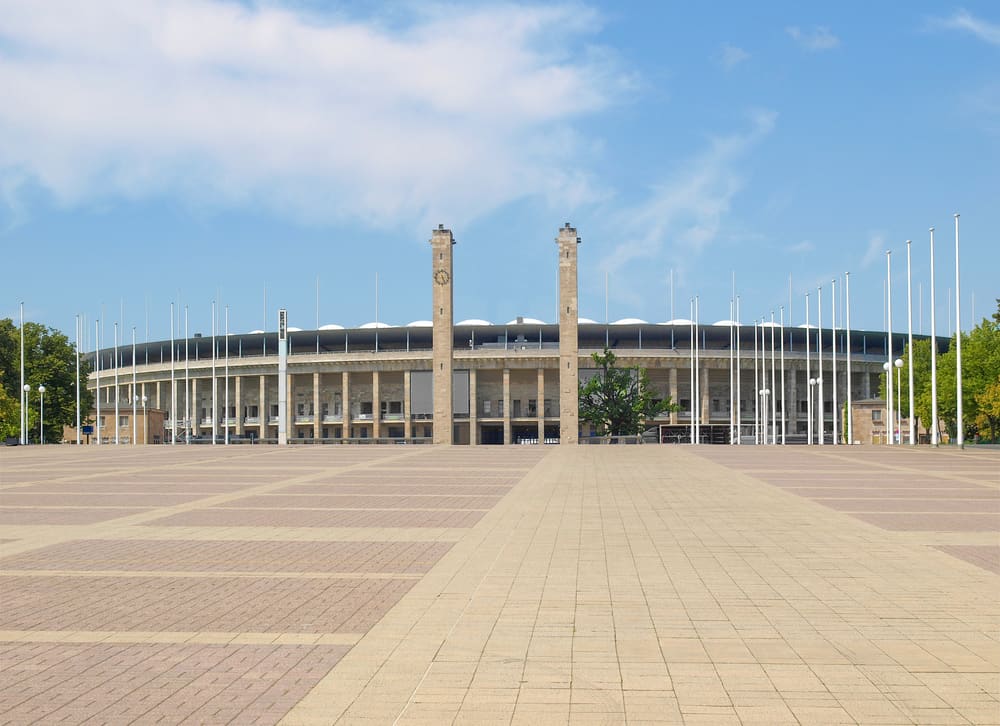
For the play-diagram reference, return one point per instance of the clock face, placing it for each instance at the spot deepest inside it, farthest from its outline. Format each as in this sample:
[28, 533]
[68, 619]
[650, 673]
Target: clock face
[441, 277]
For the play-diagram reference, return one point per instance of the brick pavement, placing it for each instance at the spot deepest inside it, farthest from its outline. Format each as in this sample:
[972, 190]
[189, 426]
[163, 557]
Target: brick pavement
[433, 585]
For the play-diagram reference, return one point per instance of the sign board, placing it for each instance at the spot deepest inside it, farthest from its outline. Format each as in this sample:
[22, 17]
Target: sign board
[87, 430]
[282, 324]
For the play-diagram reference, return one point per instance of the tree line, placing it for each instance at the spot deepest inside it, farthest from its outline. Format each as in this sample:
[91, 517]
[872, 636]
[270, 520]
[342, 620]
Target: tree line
[49, 360]
[980, 382]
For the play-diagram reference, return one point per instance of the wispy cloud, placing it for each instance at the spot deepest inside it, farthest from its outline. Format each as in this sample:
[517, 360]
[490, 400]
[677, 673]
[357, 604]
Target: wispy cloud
[731, 56]
[439, 116]
[801, 247]
[966, 21]
[874, 252]
[685, 212]
[820, 38]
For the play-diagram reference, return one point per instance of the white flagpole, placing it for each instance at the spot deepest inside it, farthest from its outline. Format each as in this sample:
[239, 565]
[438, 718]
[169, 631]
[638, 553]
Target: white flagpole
[809, 385]
[691, 353]
[671, 293]
[732, 382]
[187, 382]
[888, 376]
[958, 343]
[934, 402]
[774, 393]
[739, 376]
[376, 312]
[77, 380]
[135, 393]
[173, 382]
[225, 415]
[24, 394]
[117, 420]
[97, 365]
[784, 418]
[697, 365]
[909, 345]
[215, 386]
[833, 337]
[850, 411]
[756, 389]
[821, 419]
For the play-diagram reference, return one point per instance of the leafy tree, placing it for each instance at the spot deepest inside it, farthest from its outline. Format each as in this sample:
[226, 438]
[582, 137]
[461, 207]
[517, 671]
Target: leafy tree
[8, 415]
[996, 315]
[49, 360]
[618, 400]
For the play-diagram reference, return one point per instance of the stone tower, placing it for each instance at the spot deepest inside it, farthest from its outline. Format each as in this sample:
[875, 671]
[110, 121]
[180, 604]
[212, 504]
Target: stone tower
[441, 271]
[569, 346]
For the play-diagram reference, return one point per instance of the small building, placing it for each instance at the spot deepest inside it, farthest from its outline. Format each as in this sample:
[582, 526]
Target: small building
[148, 427]
[869, 425]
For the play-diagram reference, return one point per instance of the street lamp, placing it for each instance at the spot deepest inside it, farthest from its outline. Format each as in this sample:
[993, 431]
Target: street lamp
[24, 410]
[41, 414]
[899, 401]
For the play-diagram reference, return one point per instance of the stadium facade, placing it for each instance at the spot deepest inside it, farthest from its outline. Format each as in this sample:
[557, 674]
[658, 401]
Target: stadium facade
[474, 382]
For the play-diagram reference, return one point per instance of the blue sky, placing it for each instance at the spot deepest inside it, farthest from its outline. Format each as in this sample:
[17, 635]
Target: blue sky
[199, 149]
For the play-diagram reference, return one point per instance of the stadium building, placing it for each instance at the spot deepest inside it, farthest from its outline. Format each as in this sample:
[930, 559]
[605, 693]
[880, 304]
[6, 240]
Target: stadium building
[476, 382]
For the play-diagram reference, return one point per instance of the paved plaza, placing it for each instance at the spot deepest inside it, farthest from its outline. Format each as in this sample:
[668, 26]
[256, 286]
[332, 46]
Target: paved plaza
[413, 584]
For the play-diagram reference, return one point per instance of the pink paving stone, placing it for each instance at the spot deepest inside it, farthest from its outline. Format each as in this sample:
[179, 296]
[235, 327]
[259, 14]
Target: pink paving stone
[20, 498]
[143, 486]
[10, 515]
[223, 517]
[367, 501]
[944, 522]
[226, 604]
[396, 488]
[229, 556]
[157, 683]
[983, 493]
[985, 556]
[903, 504]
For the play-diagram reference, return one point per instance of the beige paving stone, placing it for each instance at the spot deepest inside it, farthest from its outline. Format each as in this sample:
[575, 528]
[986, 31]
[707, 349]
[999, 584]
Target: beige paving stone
[609, 585]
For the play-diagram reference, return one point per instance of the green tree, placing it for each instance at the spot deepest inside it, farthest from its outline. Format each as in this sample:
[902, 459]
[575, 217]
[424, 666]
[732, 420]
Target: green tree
[49, 360]
[617, 401]
[980, 370]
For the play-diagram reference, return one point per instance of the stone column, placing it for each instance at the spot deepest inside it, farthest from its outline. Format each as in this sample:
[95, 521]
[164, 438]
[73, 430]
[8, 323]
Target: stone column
[159, 397]
[706, 399]
[317, 418]
[239, 405]
[569, 344]
[407, 422]
[195, 406]
[673, 393]
[540, 405]
[345, 399]
[376, 406]
[290, 431]
[442, 242]
[262, 412]
[506, 406]
[473, 408]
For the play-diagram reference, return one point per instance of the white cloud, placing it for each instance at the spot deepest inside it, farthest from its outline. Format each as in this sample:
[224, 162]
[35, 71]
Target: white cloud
[818, 39]
[801, 247]
[982, 29]
[685, 212]
[731, 56]
[442, 117]
[875, 250]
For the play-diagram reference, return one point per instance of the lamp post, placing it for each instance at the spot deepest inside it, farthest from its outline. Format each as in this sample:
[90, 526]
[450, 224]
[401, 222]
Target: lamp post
[26, 389]
[898, 363]
[41, 414]
[145, 421]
